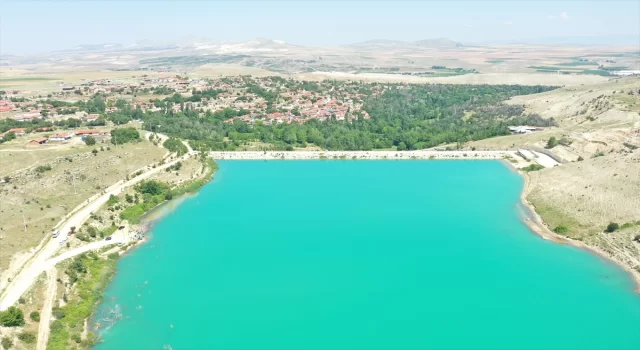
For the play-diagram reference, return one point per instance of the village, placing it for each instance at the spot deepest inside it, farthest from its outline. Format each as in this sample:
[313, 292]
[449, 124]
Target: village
[269, 100]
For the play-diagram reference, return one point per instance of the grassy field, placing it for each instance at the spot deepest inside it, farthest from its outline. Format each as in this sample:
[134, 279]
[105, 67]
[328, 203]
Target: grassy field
[21, 79]
[40, 197]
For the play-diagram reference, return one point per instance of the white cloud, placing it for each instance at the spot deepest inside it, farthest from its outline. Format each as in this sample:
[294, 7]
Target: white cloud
[468, 25]
[508, 23]
[564, 15]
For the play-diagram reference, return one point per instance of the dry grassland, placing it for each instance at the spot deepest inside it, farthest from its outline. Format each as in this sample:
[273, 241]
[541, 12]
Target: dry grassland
[41, 198]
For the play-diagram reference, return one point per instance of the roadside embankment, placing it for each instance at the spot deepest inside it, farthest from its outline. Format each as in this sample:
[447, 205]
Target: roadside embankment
[421, 154]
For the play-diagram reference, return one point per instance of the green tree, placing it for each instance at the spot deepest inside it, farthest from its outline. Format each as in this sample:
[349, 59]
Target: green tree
[152, 187]
[612, 227]
[561, 229]
[89, 140]
[12, 317]
[552, 142]
[35, 316]
[124, 135]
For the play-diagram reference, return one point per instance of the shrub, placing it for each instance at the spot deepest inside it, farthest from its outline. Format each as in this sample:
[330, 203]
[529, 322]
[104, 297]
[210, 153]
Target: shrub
[612, 227]
[627, 225]
[552, 142]
[565, 141]
[637, 238]
[89, 140]
[12, 317]
[42, 168]
[176, 146]
[35, 316]
[561, 229]
[58, 313]
[113, 200]
[580, 159]
[6, 342]
[532, 167]
[27, 337]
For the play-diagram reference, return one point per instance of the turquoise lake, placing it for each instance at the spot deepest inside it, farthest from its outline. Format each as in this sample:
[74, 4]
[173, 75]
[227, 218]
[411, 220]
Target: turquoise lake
[364, 255]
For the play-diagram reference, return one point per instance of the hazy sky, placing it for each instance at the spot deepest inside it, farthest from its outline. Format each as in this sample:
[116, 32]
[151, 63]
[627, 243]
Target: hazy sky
[37, 26]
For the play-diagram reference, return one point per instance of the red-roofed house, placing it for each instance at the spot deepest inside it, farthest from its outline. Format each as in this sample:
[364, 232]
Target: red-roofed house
[17, 131]
[87, 132]
[38, 141]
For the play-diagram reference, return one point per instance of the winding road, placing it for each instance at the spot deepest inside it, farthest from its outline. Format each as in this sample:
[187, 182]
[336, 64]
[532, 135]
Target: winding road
[43, 259]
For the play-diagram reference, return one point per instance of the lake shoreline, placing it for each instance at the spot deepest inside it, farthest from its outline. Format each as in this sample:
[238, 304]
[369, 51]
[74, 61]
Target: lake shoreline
[536, 225]
[389, 155]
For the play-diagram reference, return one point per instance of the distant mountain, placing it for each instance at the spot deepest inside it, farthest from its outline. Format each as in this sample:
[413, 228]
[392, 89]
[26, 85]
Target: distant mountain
[380, 42]
[438, 43]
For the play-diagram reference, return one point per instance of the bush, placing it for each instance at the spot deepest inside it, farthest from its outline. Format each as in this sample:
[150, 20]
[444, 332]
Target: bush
[35, 316]
[580, 159]
[12, 317]
[27, 337]
[552, 142]
[637, 238]
[58, 313]
[113, 200]
[532, 167]
[561, 229]
[42, 168]
[627, 225]
[565, 141]
[89, 140]
[56, 325]
[612, 227]
[6, 343]
[176, 146]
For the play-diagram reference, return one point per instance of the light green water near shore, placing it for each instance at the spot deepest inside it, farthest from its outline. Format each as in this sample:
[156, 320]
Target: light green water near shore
[364, 255]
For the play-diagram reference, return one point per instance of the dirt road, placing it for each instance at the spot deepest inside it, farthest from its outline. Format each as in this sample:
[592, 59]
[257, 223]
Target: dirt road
[45, 314]
[40, 261]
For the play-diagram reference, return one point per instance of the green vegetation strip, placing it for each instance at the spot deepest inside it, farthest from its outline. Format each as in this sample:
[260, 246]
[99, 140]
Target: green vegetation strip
[69, 324]
[155, 193]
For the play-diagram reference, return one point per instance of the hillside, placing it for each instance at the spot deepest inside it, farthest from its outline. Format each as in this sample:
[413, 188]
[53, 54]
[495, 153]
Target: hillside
[438, 43]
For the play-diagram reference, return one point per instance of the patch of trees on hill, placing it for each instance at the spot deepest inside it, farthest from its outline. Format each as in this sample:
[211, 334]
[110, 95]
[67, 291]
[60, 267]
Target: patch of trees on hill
[412, 117]
[124, 135]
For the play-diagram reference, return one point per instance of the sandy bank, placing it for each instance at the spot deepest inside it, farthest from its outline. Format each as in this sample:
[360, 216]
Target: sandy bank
[537, 225]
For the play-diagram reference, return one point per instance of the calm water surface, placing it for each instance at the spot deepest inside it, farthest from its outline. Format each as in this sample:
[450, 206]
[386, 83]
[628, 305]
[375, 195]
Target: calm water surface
[364, 255]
